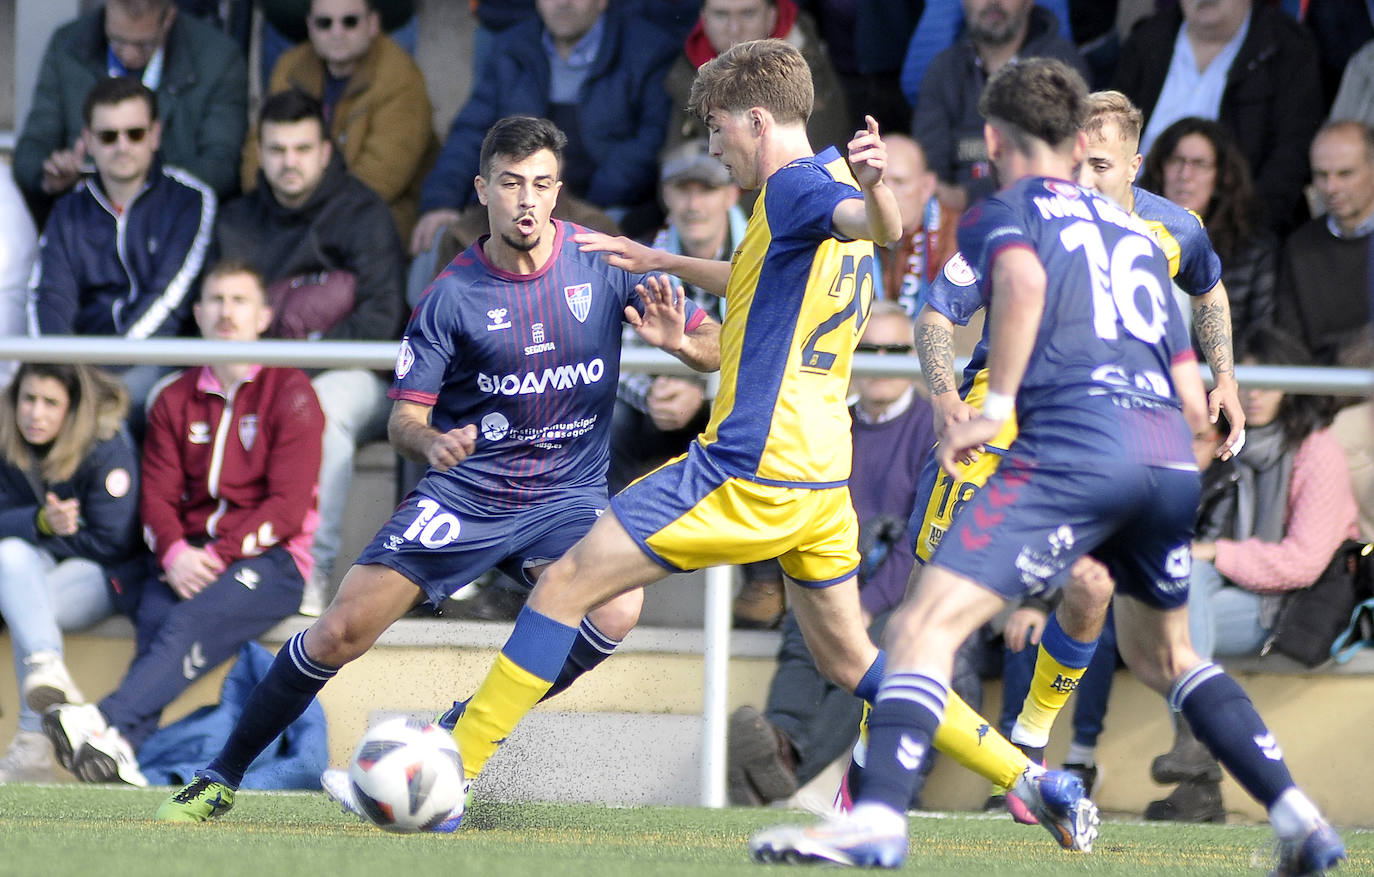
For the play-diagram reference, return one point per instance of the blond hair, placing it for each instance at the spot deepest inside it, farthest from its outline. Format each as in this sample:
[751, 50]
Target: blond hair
[1114, 107]
[96, 407]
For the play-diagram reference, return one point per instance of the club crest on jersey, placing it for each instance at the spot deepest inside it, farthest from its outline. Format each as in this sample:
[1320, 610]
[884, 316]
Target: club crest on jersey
[498, 319]
[405, 358]
[248, 431]
[199, 433]
[579, 299]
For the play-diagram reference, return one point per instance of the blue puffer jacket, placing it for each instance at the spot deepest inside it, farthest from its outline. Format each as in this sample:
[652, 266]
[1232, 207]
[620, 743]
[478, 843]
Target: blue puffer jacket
[102, 271]
[623, 111]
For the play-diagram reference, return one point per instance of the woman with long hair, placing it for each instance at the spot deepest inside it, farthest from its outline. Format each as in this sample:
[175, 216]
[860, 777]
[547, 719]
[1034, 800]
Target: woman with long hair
[1289, 507]
[1196, 164]
[68, 516]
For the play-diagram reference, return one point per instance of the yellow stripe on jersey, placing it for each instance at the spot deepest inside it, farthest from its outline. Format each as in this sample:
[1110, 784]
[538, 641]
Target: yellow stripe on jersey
[794, 309]
[1167, 242]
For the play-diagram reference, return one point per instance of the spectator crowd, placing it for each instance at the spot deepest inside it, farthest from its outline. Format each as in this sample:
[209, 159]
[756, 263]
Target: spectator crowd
[146, 201]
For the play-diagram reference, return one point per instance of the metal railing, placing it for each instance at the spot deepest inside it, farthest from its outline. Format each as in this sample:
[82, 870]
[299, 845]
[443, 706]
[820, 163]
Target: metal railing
[382, 355]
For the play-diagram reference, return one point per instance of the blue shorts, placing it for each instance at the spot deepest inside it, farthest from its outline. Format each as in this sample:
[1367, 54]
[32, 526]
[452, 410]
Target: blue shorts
[441, 551]
[1031, 521]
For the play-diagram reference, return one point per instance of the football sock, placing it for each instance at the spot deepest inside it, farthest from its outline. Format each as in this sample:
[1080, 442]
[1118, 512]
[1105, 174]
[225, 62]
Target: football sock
[872, 678]
[291, 683]
[1294, 814]
[1222, 716]
[1080, 754]
[966, 736]
[1059, 663]
[520, 677]
[589, 649]
[906, 713]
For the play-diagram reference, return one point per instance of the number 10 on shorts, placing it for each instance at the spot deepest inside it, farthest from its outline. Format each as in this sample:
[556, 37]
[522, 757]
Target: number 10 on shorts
[433, 527]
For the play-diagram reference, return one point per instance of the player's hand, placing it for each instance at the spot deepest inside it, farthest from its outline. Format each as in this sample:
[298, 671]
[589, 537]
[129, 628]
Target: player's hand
[62, 168]
[619, 252]
[192, 571]
[964, 443]
[448, 449]
[868, 155]
[664, 321]
[1225, 396]
[1024, 628]
[673, 402]
[429, 227]
[950, 409]
[63, 516]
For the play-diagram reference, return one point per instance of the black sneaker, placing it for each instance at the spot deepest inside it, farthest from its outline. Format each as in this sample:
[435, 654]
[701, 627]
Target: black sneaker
[1192, 801]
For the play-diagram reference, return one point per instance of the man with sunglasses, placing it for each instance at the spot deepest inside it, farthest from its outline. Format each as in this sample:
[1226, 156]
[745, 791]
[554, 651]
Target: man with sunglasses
[197, 73]
[122, 250]
[375, 102]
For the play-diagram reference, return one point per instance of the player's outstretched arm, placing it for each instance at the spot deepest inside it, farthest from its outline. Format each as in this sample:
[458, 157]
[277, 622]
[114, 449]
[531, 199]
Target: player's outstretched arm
[877, 218]
[1212, 326]
[413, 437]
[663, 321]
[935, 349]
[711, 275]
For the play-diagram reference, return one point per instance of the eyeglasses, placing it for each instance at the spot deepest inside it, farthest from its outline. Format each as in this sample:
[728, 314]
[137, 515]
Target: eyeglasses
[326, 22]
[1177, 163]
[110, 135]
[900, 349]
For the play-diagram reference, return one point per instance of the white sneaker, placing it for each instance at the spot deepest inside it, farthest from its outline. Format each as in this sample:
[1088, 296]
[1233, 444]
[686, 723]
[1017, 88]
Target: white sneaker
[28, 760]
[69, 727]
[108, 758]
[47, 682]
[315, 598]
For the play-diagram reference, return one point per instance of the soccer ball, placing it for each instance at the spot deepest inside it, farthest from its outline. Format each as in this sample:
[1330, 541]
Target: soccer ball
[407, 776]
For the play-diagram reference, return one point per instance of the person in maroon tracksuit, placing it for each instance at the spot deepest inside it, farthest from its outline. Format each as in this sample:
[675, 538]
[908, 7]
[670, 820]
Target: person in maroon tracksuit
[230, 467]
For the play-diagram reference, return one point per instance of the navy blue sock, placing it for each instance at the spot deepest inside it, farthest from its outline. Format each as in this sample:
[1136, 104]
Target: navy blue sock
[873, 677]
[908, 709]
[291, 683]
[589, 649]
[1223, 717]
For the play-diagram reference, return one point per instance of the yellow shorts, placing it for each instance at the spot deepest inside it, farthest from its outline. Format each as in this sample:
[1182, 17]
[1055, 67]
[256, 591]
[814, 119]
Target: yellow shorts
[688, 514]
[947, 495]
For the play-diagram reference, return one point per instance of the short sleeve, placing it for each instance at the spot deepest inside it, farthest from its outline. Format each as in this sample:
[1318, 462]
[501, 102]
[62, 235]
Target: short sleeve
[1199, 267]
[427, 348]
[954, 293]
[987, 229]
[800, 201]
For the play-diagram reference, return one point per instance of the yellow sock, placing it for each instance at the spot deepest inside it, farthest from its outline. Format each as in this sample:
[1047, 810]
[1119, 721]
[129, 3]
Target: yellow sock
[967, 737]
[505, 696]
[1050, 688]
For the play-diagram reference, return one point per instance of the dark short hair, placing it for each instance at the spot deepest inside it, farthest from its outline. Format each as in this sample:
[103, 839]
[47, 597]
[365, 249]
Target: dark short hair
[1040, 98]
[519, 137]
[292, 105]
[116, 90]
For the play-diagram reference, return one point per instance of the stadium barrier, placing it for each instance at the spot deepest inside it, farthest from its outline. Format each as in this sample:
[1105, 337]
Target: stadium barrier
[382, 356]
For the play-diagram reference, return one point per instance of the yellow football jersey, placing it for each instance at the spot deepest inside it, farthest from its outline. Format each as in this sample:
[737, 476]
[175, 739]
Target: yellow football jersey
[795, 306]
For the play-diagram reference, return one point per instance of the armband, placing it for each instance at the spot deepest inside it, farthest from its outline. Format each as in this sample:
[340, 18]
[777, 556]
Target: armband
[998, 406]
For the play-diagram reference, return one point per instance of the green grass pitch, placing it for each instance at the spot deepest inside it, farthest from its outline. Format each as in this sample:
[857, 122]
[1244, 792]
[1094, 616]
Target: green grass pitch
[91, 830]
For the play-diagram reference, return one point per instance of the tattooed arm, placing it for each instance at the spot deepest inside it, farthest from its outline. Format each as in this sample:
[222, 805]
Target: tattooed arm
[935, 348]
[1212, 327]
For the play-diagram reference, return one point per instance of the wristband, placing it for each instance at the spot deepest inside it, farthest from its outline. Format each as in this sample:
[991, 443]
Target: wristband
[40, 520]
[998, 406]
